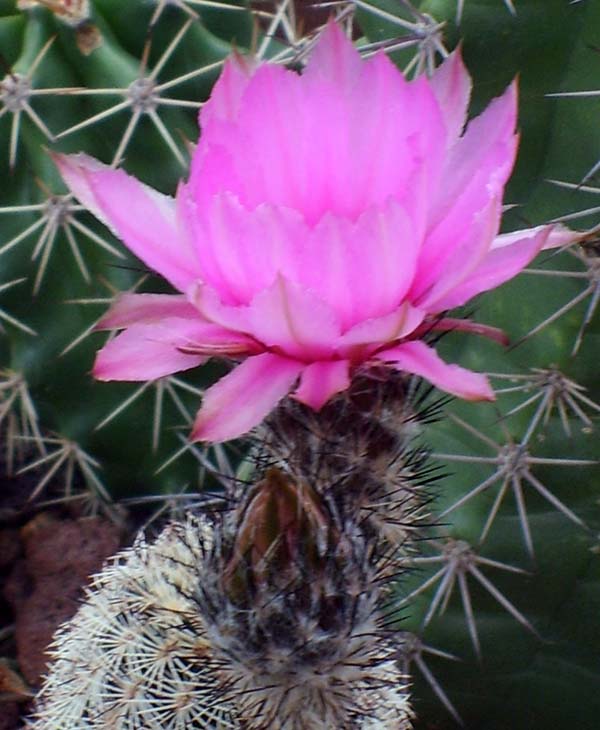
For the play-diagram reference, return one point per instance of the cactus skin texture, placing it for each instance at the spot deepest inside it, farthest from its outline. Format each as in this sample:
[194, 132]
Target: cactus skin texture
[137, 642]
[343, 497]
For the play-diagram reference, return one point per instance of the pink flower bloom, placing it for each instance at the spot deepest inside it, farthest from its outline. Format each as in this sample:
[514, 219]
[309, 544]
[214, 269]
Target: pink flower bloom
[328, 220]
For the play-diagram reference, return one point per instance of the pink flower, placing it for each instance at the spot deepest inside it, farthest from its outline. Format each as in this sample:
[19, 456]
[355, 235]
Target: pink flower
[328, 220]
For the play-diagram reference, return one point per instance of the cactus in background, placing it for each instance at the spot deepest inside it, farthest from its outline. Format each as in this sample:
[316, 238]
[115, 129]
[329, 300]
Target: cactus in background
[59, 268]
[508, 580]
[522, 487]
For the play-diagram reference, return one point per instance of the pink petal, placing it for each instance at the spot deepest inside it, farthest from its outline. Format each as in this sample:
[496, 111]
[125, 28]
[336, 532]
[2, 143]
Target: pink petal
[265, 152]
[468, 255]
[485, 154]
[213, 169]
[141, 217]
[150, 351]
[397, 144]
[451, 84]
[243, 398]
[145, 309]
[399, 323]
[501, 264]
[559, 236]
[362, 269]
[284, 317]
[322, 380]
[298, 140]
[334, 57]
[453, 324]
[418, 358]
[143, 352]
[476, 171]
[227, 93]
[293, 320]
[209, 305]
[336, 275]
[241, 251]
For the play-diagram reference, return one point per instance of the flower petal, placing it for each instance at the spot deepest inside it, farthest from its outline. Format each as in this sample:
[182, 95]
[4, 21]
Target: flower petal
[468, 255]
[418, 358]
[241, 251]
[227, 93]
[451, 85]
[242, 399]
[149, 351]
[476, 171]
[559, 236]
[378, 330]
[334, 57]
[293, 320]
[284, 317]
[362, 269]
[141, 217]
[396, 143]
[146, 352]
[131, 309]
[501, 264]
[484, 155]
[262, 156]
[322, 380]
[297, 140]
[209, 305]
[454, 324]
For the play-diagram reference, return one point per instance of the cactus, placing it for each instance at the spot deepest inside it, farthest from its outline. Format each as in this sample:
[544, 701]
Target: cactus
[279, 603]
[507, 579]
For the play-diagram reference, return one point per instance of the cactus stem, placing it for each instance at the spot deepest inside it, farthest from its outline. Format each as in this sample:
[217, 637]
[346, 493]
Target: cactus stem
[278, 19]
[174, 506]
[162, 4]
[514, 463]
[69, 456]
[554, 390]
[576, 215]
[19, 417]
[459, 560]
[57, 213]
[143, 97]
[123, 405]
[412, 652]
[6, 317]
[590, 258]
[424, 33]
[166, 135]
[104, 301]
[184, 5]
[390, 17]
[239, 619]
[460, 6]
[407, 41]
[15, 93]
[221, 470]
[574, 186]
[166, 385]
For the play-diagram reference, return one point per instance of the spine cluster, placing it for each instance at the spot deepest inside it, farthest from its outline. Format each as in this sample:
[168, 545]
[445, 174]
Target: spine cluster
[274, 612]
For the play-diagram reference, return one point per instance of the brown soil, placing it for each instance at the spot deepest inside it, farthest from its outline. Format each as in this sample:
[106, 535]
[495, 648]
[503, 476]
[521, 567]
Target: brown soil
[46, 558]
